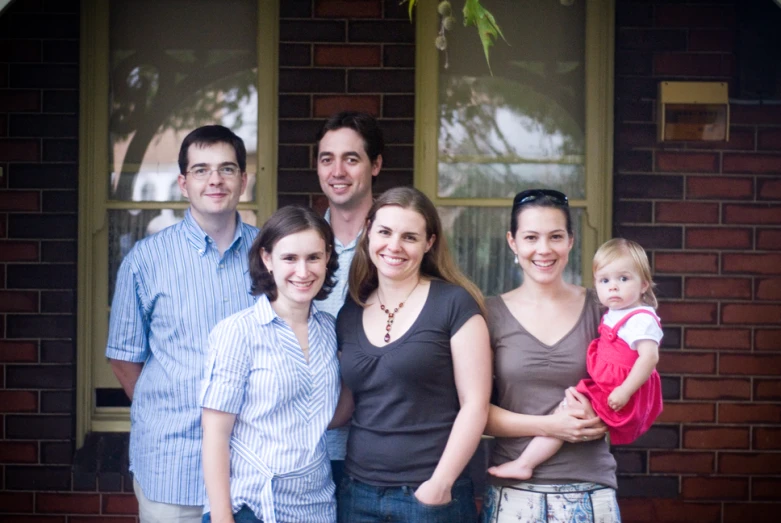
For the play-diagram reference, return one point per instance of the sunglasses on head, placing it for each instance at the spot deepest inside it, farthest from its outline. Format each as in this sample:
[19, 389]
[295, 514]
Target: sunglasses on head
[524, 197]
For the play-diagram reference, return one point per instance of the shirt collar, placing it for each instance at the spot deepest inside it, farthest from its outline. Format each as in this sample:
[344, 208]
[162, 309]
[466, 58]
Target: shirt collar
[266, 313]
[198, 237]
[337, 244]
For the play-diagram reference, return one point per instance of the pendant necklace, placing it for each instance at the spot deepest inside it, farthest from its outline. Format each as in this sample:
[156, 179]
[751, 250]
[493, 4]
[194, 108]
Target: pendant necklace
[390, 314]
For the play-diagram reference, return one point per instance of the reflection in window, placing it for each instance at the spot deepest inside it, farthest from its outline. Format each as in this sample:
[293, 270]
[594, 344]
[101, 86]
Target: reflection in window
[174, 69]
[523, 127]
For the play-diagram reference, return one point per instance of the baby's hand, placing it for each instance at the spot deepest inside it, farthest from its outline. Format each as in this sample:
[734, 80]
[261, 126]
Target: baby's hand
[617, 399]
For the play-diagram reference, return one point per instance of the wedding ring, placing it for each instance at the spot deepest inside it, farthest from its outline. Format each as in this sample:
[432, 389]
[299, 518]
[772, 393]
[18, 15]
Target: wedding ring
[585, 438]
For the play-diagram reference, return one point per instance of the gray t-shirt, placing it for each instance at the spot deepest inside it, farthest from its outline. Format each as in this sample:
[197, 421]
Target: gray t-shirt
[531, 377]
[405, 392]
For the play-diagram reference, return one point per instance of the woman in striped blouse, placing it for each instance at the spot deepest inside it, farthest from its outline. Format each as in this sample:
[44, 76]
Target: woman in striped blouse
[272, 383]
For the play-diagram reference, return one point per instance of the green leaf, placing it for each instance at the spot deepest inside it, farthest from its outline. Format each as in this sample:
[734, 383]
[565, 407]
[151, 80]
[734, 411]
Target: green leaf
[489, 31]
[411, 7]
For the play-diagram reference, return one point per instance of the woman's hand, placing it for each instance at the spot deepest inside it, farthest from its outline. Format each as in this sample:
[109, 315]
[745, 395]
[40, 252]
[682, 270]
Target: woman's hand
[576, 422]
[433, 493]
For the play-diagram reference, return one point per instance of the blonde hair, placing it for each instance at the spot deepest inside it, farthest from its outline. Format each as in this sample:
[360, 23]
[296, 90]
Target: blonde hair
[617, 248]
[437, 262]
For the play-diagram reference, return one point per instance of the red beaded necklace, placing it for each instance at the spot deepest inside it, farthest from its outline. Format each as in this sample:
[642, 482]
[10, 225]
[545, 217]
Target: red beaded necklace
[390, 314]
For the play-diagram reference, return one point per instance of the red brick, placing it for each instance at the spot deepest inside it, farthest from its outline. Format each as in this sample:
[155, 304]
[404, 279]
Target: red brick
[675, 412]
[767, 438]
[677, 362]
[348, 9]
[18, 452]
[102, 519]
[18, 401]
[718, 288]
[687, 162]
[328, 105]
[686, 212]
[3, 230]
[755, 364]
[19, 101]
[18, 301]
[716, 438]
[718, 238]
[751, 163]
[16, 501]
[693, 16]
[752, 263]
[769, 189]
[687, 312]
[19, 150]
[690, 64]
[719, 489]
[3, 125]
[752, 512]
[769, 239]
[765, 489]
[768, 289]
[18, 351]
[67, 503]
[20, 201]
[348, 55]
[717, 338]
[769, 139]
[767, 339]
[120, 504]
[755, 114]
[749, 463]
[660, 510]
[727, 188]
[768, 214]
[631, 135]
[767, 389]
[682, 262]
[749, 413]
[683, 462]
[711, 40]
[18, 251]
[751, 314]
[38, 519]
[716, 389]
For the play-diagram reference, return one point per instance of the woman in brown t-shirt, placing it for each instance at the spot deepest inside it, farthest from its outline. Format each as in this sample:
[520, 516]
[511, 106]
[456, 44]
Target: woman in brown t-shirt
[539, 334]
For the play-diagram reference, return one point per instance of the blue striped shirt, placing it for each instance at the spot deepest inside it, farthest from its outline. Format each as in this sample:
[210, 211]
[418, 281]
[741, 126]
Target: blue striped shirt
[172, 289]
[257, 370]
[337, 438]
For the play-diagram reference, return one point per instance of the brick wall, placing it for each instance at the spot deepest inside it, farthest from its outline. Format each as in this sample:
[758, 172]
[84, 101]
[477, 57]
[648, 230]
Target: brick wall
[708, 215]
[336, 55]
[710, 218]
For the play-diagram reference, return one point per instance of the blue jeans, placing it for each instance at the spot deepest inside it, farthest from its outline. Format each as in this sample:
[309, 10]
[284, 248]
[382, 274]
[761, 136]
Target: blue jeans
[244, 515]
[362, 503]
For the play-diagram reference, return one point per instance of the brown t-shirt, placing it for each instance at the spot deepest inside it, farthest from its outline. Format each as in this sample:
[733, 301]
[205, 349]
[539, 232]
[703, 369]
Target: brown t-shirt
[531, 378]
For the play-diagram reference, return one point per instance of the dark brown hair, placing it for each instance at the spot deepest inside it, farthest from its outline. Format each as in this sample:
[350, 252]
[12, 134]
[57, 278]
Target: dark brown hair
[286, 221]
[209, 135]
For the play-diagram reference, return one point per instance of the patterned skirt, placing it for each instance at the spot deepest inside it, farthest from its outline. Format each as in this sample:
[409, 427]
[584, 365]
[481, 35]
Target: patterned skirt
[568, 503]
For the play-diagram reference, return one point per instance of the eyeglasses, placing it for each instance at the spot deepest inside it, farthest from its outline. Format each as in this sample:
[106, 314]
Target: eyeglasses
[524, 197]
[226, 171]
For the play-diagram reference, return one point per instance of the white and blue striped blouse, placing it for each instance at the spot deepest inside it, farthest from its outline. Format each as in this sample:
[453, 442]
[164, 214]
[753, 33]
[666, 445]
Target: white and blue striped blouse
[257, 370]
[172, 289]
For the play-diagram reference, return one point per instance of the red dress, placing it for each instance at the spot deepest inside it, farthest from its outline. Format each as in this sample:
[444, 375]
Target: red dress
[609, 361]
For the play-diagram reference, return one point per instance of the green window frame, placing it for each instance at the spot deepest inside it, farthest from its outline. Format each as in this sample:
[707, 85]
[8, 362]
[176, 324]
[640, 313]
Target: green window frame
[599, 60]
[94, 202]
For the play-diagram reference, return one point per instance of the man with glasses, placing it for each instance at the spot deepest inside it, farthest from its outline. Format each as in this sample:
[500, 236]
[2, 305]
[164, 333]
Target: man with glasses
[172, 288]
[349, 157]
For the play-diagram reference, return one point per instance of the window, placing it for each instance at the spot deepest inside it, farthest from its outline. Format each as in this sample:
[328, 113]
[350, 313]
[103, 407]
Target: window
[544, 119]
[152, 71]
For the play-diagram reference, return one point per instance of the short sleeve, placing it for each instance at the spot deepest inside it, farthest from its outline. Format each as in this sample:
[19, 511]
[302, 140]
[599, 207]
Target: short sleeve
[639, 327]
[227, 369]
[128, 324]
[462, 306]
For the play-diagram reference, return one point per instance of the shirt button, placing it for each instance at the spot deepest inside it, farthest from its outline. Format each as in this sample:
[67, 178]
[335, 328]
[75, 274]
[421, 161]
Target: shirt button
[225, 299]
[220, 266]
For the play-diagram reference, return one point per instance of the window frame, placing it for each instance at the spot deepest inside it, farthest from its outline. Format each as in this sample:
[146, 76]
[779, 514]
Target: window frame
[599, 77]
[94, 202]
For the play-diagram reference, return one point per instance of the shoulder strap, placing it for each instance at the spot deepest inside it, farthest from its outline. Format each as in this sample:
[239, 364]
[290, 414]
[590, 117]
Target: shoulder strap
[623, 320]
